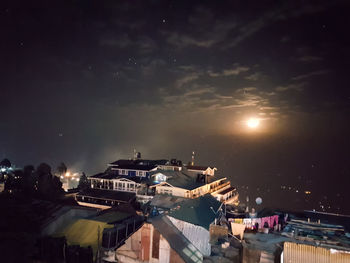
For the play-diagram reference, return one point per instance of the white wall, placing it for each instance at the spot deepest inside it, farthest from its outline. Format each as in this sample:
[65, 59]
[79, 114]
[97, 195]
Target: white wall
[197, 235]
[175, 191]
[164, 250]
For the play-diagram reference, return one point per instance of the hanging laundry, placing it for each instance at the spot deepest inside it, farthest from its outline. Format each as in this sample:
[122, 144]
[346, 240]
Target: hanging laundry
[247, 222]
[271, 220]
[265, 220]
[256, 221]
[275, 220]
[238, 220]
[237, 229]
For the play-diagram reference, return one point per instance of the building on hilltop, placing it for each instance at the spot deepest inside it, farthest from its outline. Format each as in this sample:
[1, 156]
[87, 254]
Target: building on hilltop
[141, 179]
[135, 167]
[178, 183]
[206, 170]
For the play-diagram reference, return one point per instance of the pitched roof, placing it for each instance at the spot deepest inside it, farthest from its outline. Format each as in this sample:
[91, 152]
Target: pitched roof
[166, 201]
[180, 179]
[85, 232]
[167, 173]
[139, 162]
[177, 241]
[103, 176]
[111, 216]
[139, 167]
[108, 194]
[201, 211]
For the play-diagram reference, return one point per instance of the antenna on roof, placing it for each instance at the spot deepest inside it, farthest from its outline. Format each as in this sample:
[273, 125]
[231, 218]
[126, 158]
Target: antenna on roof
[192, 162]
[137, 155]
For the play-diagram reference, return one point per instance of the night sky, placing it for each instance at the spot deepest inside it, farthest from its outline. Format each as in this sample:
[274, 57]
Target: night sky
[85, 82]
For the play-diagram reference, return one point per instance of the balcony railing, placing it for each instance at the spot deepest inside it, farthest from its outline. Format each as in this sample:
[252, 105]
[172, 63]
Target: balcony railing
[219, 187]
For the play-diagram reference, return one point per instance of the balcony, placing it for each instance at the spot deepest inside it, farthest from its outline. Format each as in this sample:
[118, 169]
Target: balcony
[219, 187]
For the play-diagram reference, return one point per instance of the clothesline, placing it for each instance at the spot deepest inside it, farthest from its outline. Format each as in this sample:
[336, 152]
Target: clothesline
[257, 223]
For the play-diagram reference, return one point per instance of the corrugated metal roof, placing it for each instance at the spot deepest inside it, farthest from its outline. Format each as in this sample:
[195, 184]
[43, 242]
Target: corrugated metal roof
[177, 241]
[296, 253]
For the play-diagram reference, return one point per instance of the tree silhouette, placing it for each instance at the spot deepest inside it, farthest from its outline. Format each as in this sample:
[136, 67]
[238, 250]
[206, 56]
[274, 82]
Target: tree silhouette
[29, 179]
[49, 186]
[83, 182]
[10, 182]
[5, 163]
[61, 169]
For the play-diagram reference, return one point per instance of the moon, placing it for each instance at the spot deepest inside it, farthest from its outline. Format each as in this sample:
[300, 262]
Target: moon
[253, 123]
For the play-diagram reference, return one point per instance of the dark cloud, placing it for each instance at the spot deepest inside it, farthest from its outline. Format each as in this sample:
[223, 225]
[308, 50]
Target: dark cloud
[86, 82]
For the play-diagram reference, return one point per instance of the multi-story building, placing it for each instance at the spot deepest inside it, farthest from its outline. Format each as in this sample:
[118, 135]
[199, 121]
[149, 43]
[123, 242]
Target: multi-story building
[139, 179]
[178, 183]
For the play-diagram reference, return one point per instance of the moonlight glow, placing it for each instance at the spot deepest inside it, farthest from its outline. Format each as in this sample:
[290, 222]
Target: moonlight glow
[253, 123]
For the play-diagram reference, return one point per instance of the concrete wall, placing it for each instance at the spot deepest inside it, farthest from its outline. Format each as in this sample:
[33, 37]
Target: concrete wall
[197, 235]
[217, 232]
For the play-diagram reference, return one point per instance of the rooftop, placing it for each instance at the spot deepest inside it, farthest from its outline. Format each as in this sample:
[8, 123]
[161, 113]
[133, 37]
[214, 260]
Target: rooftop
[111, 216]
[182, 180]
[139, 167]
[110, 176]
[108, 194]
[140, 162]
[199, 168]
[176, 240]
[325, 234]
[201, 211]
[85, 232]
[103, 176]
[166, 201]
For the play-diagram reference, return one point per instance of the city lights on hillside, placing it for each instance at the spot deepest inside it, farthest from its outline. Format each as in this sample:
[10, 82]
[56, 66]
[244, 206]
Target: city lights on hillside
[70, 180]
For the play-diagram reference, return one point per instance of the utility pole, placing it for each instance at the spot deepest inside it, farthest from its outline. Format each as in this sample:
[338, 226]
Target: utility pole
[98, 244]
